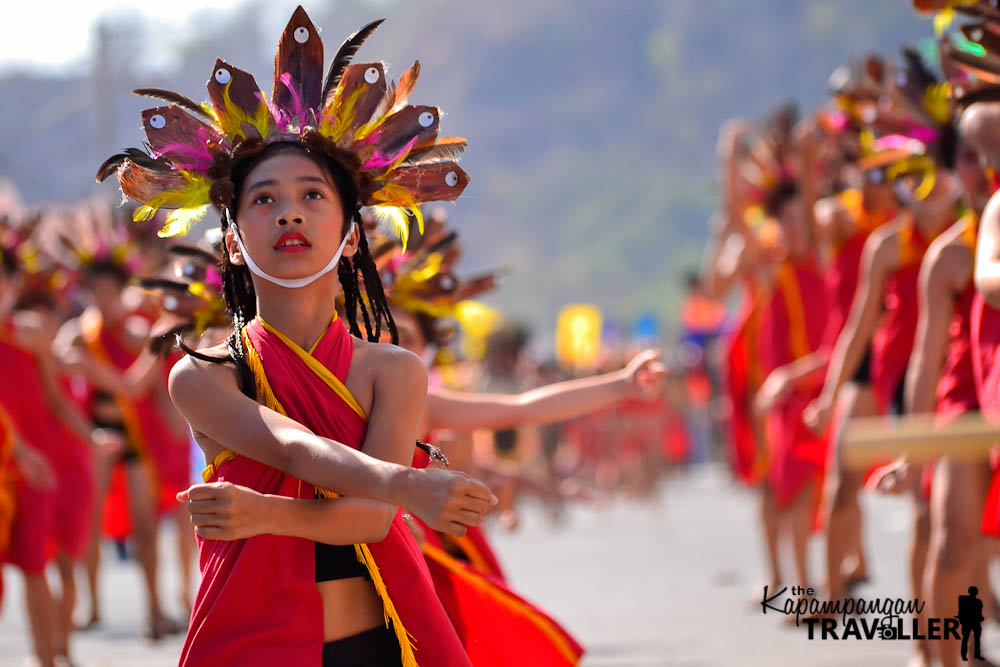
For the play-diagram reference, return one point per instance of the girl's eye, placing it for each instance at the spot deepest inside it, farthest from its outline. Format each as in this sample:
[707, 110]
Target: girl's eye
[263, 199]
[314, 194]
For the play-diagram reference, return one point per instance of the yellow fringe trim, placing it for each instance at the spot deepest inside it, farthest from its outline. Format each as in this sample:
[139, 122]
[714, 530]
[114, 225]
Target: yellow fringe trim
[484, 586]
[266, 394]
[314, 364]
[213, 467]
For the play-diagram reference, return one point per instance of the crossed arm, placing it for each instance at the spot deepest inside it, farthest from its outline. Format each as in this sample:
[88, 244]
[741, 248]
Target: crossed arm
[222, 417]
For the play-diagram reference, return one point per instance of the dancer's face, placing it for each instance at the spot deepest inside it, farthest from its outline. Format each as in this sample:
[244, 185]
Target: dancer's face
[106, 294]
[939, 200]
[290, 216]
[794, 228]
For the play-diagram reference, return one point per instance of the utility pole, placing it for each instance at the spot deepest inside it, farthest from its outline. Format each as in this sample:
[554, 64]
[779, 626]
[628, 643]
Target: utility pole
[103, 106]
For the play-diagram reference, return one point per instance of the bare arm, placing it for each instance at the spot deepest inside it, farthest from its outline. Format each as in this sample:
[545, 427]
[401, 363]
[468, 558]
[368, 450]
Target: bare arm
[988, 253]
[209, 398]
[552, 403]
[880, 255]
[941, 275]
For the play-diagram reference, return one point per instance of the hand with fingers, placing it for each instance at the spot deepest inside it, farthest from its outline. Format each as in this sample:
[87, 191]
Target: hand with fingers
[223, 511]
[646, 374]
[447, 501]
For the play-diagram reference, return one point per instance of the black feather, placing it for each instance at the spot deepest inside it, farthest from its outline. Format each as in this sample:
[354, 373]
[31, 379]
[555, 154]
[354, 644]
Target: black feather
[193, 251]
[110, 166]
[174, 98]
[146, 161]
[343, 58]
[161, 283]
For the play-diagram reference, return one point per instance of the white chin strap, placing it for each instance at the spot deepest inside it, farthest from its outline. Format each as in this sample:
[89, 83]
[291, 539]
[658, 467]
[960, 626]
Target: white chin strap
[290, 283]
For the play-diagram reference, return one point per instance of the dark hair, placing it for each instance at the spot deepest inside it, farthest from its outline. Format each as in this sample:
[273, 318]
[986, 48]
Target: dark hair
[106, 268]
[8, 263]
[358, 275]
[779, 196]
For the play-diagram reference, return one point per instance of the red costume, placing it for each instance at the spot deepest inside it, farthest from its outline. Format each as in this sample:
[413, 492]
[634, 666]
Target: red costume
[742, 379]
[45, 518]
[985, 325]
[161, 448]
[791, 327]
[258, 603]
[892, 342]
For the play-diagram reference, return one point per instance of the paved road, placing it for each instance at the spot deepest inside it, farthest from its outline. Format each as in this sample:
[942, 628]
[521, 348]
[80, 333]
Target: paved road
[641, 585]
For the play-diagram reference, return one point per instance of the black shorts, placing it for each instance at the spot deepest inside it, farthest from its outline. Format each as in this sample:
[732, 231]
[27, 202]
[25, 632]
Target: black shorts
[377, 647]
[130, 453]
[863, 375]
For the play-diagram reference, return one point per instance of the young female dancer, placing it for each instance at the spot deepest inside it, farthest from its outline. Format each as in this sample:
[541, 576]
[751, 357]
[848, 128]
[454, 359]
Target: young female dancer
[286, 405]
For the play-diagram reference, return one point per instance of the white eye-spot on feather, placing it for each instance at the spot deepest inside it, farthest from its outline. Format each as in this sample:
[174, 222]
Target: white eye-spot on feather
[222, 75]
[170, 303]
[372, 75]
[301, 35]
[976, 34]
[451, 179]
[157, 121]
[426, 119]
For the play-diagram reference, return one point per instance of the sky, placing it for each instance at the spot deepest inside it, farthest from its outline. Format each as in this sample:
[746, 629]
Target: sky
[63, 41]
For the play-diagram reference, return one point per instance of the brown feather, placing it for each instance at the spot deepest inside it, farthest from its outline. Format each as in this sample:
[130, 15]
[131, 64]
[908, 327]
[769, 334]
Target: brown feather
[367, 102]
[405, 87]
[402, 126]
[302, 61]
[179, 129]
[143, 185]
[343, 58]
[243, 92]
[429, 182]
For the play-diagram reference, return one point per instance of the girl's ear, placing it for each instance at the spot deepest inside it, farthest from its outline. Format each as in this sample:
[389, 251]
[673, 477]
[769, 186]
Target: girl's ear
[354, 239]
[232, 247]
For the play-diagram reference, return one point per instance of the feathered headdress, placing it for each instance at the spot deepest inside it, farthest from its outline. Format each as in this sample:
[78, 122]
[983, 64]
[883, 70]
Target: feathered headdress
[425, 283]
[355, 115]
[190, 294]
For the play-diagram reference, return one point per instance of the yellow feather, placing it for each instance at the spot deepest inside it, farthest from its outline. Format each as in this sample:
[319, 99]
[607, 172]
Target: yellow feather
[179, 222]
[396, 218]
[232, 124]
[191, 202]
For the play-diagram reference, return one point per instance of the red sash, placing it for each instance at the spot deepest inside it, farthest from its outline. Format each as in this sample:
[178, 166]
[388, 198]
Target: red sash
[8, 486]
[258, 603]
[496, 626]
[791, 327]
[747, 458]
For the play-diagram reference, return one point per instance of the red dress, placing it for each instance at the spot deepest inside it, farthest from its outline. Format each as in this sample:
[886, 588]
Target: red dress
[985, 325]
[741, 381]
[45, 518]
[791, 327]
[892, 343]
[258, 603]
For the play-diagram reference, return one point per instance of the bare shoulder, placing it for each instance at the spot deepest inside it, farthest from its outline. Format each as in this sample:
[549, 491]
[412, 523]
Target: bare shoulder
[949, 259]
[191, 378]
[393, 364]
